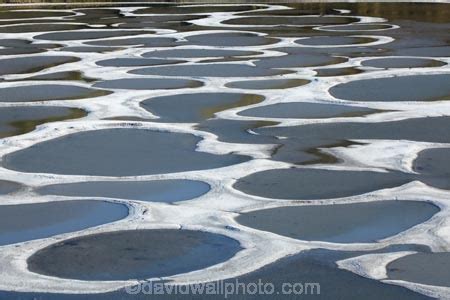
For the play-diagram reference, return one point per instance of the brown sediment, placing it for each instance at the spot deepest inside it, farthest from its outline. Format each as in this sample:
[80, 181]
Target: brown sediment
[338, 72]
[25, 126]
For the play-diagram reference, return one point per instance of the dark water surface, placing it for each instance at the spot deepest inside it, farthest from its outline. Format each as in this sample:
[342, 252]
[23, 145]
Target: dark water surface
[173, 61]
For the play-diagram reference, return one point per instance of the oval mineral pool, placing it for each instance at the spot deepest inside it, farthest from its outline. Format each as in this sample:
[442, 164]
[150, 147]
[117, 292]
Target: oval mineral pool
[137, 254]
[21, 65]
[341, 223]
[401, 88]
[22, 28]
[210, 70]
[118, 152]
[194, 9]
[137, 41]
[41, 220]
[435, 51]
[18, 46]
[90, 49]
[298, 61]
[196, 53]
[229, 39]
[291, 20]
[267, 84]
[153, 191]
[317, 270]
[88, 34]
[423, 268]
[334, 41]
[358, 27]
[236, 131]
[431, 129]
[432, 165]
[433, 161]
[64, 75]
[153, 21]
[332, 72]
[312, 184]
[196, 107]
[148, 84]
[47, 92]
[133, 62]
[402, 62]
[305, 110]
[20, 120]
[28, 14]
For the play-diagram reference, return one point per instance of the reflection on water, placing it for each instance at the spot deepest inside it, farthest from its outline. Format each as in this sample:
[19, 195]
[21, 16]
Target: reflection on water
[424, 12]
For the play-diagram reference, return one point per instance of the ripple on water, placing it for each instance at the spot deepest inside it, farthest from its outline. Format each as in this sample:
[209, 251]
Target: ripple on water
[402, 88]
[118, 152]
[41, 220]
[193, 108]
[136, 254]
[172, 190]
[312, 184]
[341, 223]
[20, 120]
